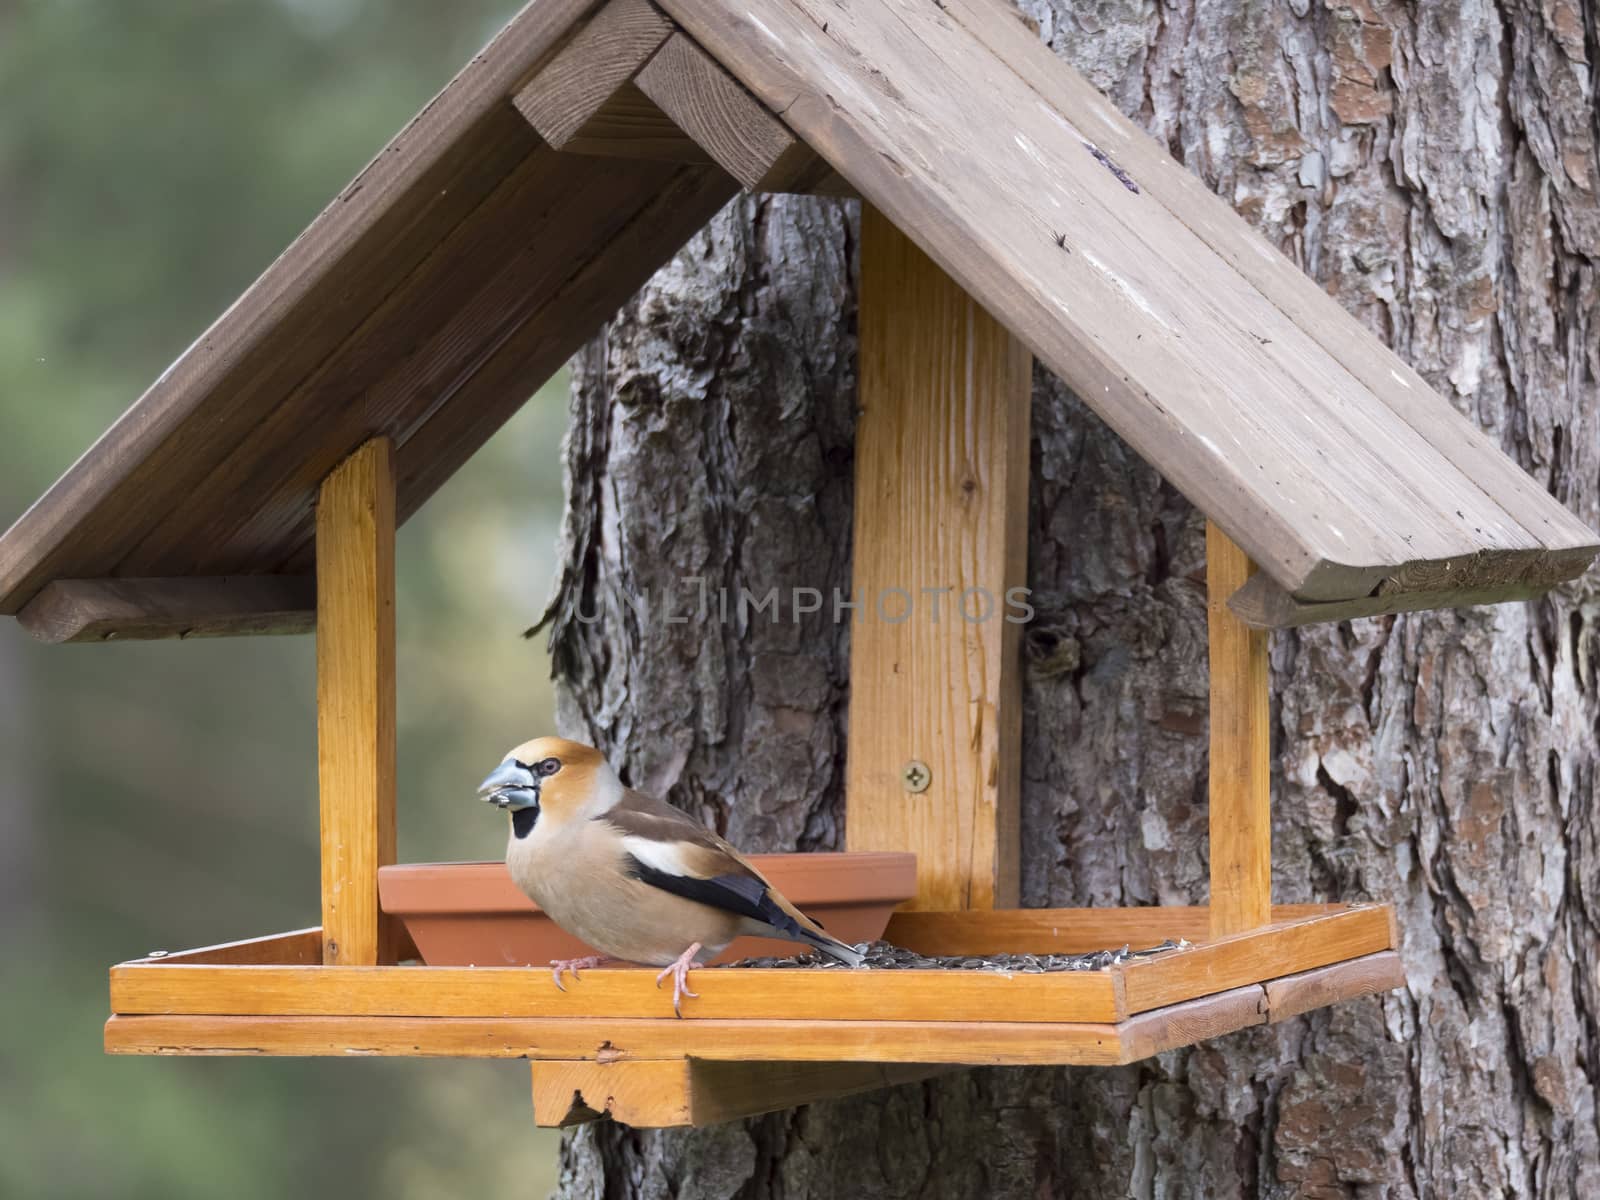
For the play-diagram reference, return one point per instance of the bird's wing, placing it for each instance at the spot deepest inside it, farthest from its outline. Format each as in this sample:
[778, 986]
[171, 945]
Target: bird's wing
[670, 850]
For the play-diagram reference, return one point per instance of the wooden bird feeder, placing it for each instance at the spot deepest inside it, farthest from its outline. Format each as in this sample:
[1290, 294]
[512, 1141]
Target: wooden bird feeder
[1010, 211]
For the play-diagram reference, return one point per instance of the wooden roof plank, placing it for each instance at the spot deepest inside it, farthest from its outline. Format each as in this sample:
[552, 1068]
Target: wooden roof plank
[433, 173]
[659, 219]
[1326, 487]
[1407, 474]
[411, 357]
[658, 225]
[1390, 378]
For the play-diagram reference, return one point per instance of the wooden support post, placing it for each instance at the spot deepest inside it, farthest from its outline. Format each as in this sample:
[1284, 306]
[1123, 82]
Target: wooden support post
[355, 698]
[940, 519]
[1241, 744]
[676, 1092]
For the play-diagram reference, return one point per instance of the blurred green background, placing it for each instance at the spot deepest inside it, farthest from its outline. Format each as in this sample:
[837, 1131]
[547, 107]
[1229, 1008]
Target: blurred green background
[155, 155]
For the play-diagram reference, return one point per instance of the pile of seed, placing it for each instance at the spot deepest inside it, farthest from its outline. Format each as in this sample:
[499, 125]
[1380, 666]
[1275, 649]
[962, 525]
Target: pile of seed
[881, 956]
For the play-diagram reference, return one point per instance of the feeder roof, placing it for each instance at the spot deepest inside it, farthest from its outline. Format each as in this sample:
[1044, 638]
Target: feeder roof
[470, 259]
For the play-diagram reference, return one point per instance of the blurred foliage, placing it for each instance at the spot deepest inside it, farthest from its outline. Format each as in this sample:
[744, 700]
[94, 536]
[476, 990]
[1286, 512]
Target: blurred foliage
[155, 155]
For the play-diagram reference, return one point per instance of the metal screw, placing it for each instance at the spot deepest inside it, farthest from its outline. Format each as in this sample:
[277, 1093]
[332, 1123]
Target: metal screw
[915, 776]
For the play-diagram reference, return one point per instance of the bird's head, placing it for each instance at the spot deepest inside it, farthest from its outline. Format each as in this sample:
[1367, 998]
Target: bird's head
[551, 779]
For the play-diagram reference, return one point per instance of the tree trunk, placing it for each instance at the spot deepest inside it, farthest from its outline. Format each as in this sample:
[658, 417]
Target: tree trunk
[1434, 165]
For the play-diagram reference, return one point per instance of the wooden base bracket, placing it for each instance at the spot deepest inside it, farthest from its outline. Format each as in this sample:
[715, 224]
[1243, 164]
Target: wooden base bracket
[675, 1092]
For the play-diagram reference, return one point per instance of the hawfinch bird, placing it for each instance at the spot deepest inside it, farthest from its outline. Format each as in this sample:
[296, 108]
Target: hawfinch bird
[633, 877]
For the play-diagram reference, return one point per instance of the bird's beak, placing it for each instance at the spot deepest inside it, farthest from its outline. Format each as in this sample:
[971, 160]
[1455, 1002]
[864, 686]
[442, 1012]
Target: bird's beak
[510, 785]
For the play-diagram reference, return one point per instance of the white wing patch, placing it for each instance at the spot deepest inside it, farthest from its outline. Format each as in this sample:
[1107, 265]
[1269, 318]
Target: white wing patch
[660, 856]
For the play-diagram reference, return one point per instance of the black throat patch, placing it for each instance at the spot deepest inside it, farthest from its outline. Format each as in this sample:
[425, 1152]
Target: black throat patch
[523, 820]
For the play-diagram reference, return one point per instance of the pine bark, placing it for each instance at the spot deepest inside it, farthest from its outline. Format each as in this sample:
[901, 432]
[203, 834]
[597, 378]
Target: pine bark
[1435, 166]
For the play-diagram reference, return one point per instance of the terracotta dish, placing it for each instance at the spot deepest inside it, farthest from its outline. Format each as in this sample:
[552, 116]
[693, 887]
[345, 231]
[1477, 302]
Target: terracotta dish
[471, 914]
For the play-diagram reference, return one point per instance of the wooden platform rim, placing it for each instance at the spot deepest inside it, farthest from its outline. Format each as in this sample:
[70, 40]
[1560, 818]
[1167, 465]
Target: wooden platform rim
[970, 1043]
[265, 985]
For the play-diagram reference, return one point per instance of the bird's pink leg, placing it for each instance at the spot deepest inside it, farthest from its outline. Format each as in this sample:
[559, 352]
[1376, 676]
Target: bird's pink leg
[679, 971]
[559, 965]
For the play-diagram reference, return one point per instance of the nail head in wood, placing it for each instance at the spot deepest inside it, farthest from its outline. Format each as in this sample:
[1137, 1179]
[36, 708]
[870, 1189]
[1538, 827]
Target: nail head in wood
[916, 776]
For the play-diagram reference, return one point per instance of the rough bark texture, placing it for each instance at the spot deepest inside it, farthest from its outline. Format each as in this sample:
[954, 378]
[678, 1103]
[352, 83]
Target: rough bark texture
[1434, 165]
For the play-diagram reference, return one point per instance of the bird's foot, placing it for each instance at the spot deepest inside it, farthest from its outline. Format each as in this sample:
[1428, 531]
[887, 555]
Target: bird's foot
[558, 966]
[679, 971]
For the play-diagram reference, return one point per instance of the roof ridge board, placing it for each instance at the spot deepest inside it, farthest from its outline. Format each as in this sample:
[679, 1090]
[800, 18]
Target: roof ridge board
[103, 480]
[1276, 276]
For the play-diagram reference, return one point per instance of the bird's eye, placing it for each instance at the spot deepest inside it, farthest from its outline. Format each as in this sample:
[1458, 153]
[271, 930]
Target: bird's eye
[549, 766]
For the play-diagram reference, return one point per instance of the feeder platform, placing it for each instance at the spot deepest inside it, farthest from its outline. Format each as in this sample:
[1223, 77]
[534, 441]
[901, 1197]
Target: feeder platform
[614, 1030]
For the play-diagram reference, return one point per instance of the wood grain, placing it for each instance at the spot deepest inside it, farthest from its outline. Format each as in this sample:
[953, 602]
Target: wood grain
[983, 1042]
[1324, 483]
[940, 518]
[422, 349]
[681, 1092]
[631, 125]
[442, 385]
[1262, 604]
[1301, 299]
[644, 1093]
[1353, 482]
[1192, 1021]
[355, 699]
[574, 85]
[620, 993]
[1312, 958]
[300, 947]
[650, 221]
[613, 993]
[99, 610]
[1240, 785]
[431, 177]
[1249, 957]
[1292, 995]
[1066, 930]
[977, 1043]
[1329, 425]
[728, 122]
